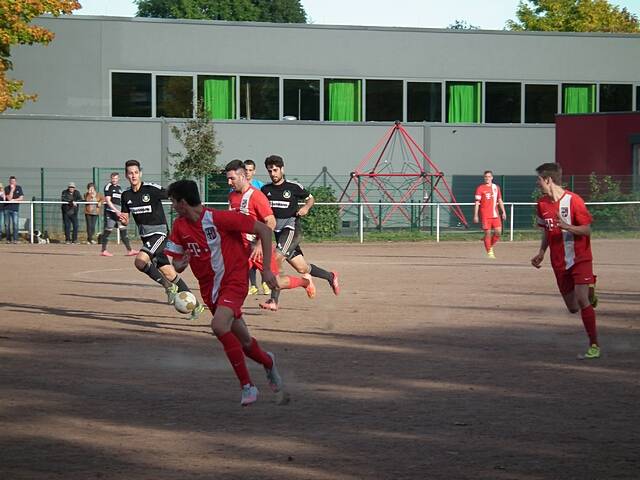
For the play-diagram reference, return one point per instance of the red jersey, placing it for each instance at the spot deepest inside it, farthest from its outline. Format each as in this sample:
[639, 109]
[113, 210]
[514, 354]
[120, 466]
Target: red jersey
[253, 203]
[566, 248]
[218, 257]
[487, 196]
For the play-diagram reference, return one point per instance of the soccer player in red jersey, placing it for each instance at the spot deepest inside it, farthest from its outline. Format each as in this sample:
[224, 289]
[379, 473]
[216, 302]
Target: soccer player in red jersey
[210, 241]
[247, 199]
[488, 199]
[567, 232]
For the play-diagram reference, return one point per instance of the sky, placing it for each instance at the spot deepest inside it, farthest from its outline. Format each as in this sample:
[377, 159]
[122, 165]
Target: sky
[399, 13]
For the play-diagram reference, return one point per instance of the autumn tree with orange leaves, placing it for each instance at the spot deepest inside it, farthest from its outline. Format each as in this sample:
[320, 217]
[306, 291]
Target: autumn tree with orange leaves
[15, 29]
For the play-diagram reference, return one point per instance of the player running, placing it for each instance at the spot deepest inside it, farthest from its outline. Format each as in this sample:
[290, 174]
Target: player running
[283, 197]
[112, 194]
[567, 232]
[488, 199]
[247, 199]
[250, 168]
[144, 202]
[211, 242]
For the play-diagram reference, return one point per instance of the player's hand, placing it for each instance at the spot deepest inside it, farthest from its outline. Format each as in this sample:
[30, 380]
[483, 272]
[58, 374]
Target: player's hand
[476, 219]
[180, 264]
[303, 211]
[269, 278]
[123, 218]
[504, 215]
[537, 260]
[256, 253]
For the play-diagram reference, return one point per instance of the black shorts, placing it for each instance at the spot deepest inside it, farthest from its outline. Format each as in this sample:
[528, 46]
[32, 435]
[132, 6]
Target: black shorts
[154, 246]
[288, 242]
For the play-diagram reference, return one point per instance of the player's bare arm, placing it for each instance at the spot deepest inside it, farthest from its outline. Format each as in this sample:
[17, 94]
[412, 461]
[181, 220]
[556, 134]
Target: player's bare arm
[180, 264]
[504, 211]
[476, 207]
[537, 260]
[264, 233]
[308, 203]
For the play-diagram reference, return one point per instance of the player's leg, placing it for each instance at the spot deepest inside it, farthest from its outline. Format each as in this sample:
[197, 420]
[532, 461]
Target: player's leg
[253, 281]
[67, 227]
[497, 232]
[286, 282]
[124, 236]
[584, 279]
[110, 222]
[74, 226]
[176, 283]
[283, 239]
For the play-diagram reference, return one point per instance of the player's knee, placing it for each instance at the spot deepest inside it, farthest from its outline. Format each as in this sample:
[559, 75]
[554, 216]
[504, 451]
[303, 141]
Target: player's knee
[141, 265]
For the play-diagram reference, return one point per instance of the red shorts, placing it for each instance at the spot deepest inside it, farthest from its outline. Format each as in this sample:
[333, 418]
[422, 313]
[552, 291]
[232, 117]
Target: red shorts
[489, 223]
[231, 296]
[580, 274]
[274, 263]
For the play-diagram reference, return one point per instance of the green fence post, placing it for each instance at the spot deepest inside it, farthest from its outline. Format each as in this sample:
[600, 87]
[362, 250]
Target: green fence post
[571, 182]
[42, 199]
[95, 177]
[380, 215]
[431, 207]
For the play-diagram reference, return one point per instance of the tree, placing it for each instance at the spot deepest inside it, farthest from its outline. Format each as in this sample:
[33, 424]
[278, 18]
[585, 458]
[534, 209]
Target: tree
[573, 16]
[462, 25]
[198, 137]
[278, 11]
[15, 29]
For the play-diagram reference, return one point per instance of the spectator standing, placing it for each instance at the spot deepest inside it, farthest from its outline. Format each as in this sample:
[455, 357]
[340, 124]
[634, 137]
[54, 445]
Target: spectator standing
[13, 192]
[91, 211]
[2, 205]
[71, 196]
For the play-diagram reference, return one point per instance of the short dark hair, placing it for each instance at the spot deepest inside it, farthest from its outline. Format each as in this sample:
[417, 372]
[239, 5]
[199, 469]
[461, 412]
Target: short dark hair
[114, 174]
[132, 163]
[186, 190]
[12, 177]
[91, 184]
[248, 161]
[234, 165]
[551, 170]
[275, 160]
[487, 171]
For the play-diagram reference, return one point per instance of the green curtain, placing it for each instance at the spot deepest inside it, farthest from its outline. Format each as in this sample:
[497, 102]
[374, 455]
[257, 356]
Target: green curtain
[464, 103]
[345, 101]
[579, 98]
[220, 98]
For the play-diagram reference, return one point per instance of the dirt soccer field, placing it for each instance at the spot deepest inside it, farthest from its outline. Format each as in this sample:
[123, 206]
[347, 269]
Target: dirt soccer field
[433, 363]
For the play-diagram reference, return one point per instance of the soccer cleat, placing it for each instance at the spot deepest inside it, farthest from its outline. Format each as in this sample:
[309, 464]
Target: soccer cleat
[592, 352]
[490, 253]
[335, 286]
[195, 313]
[265, 289]
[273, 377]
[593, 297]
[132, 253]
[106, 253]
[172, 291]
[253, 290]
[311, 288]
[269, 305]
[249, 395]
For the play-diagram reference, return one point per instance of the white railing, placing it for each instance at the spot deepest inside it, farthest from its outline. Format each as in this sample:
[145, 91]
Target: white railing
[361, 213]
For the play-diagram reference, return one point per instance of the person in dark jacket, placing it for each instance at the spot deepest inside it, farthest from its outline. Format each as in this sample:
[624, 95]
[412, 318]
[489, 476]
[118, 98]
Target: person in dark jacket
[70, 197]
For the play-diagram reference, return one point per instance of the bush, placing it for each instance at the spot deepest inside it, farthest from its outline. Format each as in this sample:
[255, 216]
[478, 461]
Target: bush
[322, 222]
[612, 216]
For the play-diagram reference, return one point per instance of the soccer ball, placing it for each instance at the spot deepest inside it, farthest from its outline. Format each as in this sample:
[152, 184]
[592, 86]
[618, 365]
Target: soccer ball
[185, 302]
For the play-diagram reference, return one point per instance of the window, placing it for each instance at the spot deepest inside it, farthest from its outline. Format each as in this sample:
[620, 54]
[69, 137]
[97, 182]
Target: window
[343, 100]
[463, 102]
[578, 98]
[540, 103]
[131, 94]
[259, 98]
[383, 100]
[502, 102]
[302, 99]
[616, 97]
[218, 96]
[424, 102]
[174, 96]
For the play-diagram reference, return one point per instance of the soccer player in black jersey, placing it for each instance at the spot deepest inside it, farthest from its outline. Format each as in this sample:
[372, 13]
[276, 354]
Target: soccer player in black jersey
[112, 194]
[283, 197]
[144, 202]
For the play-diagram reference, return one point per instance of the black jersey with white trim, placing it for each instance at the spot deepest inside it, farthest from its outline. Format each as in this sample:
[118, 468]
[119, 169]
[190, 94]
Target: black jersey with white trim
[115, 192]
[145, 206]
[284, 198]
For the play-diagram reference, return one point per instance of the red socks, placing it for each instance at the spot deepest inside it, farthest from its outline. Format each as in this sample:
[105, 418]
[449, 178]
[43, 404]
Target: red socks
[589, 320]
[495, 239]
[487, 243]
[233, 350]
[255, 353]
[295, 282]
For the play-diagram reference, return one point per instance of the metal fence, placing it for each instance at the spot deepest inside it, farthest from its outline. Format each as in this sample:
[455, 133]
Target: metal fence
[355, 221]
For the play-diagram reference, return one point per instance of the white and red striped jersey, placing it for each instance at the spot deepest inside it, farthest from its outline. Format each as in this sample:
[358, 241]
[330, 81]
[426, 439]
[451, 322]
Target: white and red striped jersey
[253, 203]
[216, 251]
[487, 196]
[566, 248]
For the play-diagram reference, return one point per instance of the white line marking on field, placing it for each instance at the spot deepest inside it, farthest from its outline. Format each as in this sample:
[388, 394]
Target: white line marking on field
[102, 270]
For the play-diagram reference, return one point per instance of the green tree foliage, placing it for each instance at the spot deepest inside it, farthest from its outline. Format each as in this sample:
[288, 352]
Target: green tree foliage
[201, 149]
[277, 11]
[322, 221]
[573, 16]
[462, 25]
[617, 217]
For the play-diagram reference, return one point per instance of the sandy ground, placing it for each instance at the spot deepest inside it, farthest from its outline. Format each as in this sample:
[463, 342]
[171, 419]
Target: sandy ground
[433, 363]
